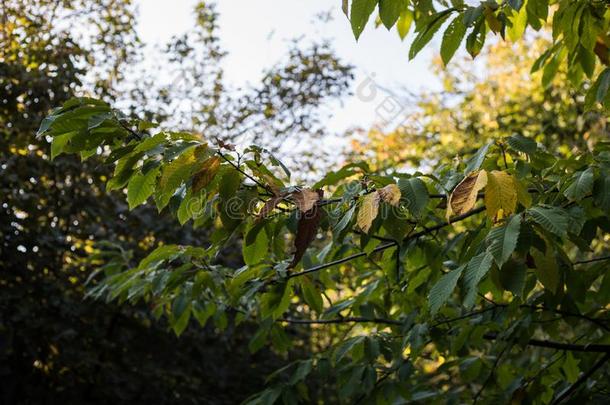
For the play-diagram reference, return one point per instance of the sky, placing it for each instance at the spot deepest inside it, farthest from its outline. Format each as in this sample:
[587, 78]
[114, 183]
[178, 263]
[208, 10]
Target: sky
[256, 35]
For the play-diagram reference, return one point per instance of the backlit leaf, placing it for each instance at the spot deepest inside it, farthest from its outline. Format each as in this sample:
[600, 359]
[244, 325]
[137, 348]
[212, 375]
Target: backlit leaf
[464, 196]
[390, 194]
[500, 195]
[140, 187]
[305, 199]
[368, 211]
[360, 13]
[452, 38]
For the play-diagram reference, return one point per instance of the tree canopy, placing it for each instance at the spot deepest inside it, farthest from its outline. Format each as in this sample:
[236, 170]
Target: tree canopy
[463, 259]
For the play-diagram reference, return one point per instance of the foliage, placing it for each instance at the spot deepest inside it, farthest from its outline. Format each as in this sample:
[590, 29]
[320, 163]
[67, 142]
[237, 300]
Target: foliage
[482, 278]
[474, 108]
[56, 345]
[579, 31]
[532, 245]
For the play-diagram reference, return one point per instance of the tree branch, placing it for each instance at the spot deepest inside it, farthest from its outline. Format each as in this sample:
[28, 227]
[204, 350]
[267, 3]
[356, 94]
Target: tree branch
[387, 245]
[341, 320]
[583, 378]
[548, 344]
[595, 259]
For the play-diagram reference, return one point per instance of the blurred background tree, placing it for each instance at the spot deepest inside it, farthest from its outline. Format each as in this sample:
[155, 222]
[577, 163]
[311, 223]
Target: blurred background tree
[498, 98]
[56, 347]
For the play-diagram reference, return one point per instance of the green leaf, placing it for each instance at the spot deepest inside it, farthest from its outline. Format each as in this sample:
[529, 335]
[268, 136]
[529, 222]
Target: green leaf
[552, 67]
[255, 252]
[581, 185]
[389, 11]
[150, 143]
[395, 222]
[442, 290]
[258, 341]
[603, 81]
[476, 38]
[415, 194]
[346, 347]
[123, 171]
[435, 22]
[59, 143]
[229, 184]
[522, 144]
[301, 372]
[360, 12]
[552, 219]
[172, 176]
[476, 269]
[403, 25]
[340, 226]
[515, 4]
[502, 240]
[140, 187]
[601, 192]
[453, 36]
[519, 23]
[181, 312]
[512, 276]
[311, 295]
[475, 162]
[161, 253]
[546, 268]
[570, 368]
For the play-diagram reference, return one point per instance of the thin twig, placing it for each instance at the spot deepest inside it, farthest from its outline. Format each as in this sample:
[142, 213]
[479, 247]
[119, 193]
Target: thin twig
[258, 183]
[341, 320]
[491, 374]
[595, 259]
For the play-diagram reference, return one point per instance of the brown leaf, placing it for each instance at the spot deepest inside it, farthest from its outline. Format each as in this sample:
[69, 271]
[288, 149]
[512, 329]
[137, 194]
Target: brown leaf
[306, 230]
[270, 205]
[206, 174]
[225, 145]
[305, 199]
[368, 211]
[464, 196]
[390, 194]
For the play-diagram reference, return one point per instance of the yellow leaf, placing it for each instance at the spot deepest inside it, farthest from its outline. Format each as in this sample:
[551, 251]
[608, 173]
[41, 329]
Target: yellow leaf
[500, 195]
[523, 196]
[305, 199]
[464, 196]
[368, 211]
[390, 194]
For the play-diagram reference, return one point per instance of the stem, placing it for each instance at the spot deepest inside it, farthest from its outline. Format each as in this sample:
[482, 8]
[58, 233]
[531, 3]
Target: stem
[490, 376]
